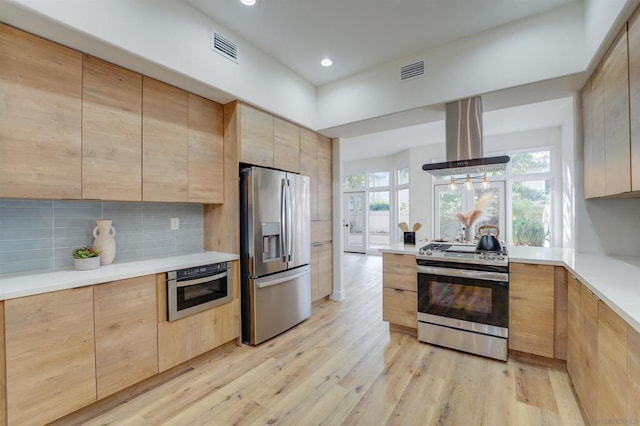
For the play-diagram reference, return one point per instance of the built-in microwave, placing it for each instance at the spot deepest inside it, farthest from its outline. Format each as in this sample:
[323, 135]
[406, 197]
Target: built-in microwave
[196, 289]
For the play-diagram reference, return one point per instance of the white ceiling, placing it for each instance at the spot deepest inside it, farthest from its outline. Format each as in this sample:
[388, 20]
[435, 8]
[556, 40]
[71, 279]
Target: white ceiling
[359, 34]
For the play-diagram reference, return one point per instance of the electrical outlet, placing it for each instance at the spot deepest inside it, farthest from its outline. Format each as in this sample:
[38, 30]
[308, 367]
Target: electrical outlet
[175, 223]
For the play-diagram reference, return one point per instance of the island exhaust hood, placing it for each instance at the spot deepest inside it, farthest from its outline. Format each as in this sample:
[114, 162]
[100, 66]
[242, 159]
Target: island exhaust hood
[463, 120]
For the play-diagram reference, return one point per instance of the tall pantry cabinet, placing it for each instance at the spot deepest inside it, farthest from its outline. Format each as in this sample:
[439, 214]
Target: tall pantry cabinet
[255, 137]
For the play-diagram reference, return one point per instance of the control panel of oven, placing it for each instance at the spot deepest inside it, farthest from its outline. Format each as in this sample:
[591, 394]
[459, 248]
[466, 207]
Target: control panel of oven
[201, 271]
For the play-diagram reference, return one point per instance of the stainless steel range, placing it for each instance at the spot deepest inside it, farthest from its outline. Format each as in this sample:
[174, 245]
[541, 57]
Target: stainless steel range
[463, 298]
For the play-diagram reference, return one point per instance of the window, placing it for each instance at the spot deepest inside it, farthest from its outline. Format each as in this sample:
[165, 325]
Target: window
[402, 199]
[451, 202]
[403, 176]
[531, 198]
[531, 208]
[374, 224]
[525, 188]
[379, 220]
[378, 179]
[354, 181]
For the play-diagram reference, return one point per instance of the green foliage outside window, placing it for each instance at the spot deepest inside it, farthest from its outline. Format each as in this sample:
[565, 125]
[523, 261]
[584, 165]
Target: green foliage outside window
[353, 181]
[382, 205]
[528, 207]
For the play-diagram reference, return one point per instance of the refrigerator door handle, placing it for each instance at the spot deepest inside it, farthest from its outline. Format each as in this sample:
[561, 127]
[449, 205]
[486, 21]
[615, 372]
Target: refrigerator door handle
[289, 221]
[277, 281]
[283, 225]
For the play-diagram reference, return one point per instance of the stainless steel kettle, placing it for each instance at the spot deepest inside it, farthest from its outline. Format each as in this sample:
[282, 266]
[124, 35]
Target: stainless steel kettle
[488, 239]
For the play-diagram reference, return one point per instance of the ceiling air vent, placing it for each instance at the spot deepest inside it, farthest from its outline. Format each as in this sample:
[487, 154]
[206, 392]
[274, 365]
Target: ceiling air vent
[224, 46]
[410, 71]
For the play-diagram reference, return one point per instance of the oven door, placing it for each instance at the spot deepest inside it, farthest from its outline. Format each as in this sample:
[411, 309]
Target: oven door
[478, 298]
[186, 297]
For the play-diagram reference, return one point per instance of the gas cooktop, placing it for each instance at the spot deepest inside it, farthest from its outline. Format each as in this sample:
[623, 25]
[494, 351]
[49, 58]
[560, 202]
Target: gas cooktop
[458, 252]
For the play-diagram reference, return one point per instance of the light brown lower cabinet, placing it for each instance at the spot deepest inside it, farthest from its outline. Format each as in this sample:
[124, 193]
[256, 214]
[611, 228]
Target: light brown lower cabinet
[188, 337]
[573, 330]
[532, 308]
[603, 359]
[399, 271]
[612, 367]
[321, 270]
[400, 307]
[126, 333]
[588, 352]
[633, 376]
[50, 355]
[400, 290]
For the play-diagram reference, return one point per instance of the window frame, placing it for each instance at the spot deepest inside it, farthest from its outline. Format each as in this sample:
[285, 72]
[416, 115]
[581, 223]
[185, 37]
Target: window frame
[509, 178]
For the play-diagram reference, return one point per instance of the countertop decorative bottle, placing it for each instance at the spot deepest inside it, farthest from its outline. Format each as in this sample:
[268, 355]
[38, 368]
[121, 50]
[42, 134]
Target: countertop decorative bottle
[104, 241]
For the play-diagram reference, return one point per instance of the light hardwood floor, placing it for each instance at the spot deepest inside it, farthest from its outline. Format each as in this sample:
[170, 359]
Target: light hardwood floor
[343, 366]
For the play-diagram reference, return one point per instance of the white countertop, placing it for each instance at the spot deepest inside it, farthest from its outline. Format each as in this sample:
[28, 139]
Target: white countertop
[27, 284]
[614, 280]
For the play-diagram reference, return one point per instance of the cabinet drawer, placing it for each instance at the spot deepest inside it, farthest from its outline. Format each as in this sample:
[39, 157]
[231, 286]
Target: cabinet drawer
[399, 271]
[400, 307]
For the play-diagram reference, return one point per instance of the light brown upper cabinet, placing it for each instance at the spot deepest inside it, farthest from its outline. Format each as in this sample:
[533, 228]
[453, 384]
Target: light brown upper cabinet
[634, 97]
[286, 145]
[206, 151]
[593, 132]
[315, 162]
[256, 136]
[111, 131]
[611, 118]
[309, 165]
[324, 178]
[40, 117]
[164, 142]
[587, 137]
[615, 67]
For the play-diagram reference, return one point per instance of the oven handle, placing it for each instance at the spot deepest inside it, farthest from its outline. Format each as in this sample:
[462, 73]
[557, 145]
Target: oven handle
[187, 283]
[464, 273]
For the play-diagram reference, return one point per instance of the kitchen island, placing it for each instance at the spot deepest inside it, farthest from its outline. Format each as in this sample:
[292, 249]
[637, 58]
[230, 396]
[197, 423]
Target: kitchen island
[578, 308]
[613, 279]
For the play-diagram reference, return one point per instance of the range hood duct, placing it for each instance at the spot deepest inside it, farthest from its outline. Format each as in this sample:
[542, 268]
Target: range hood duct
[463, 120]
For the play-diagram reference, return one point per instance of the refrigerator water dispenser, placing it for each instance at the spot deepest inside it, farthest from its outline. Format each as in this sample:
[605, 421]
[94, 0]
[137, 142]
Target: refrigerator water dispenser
[270, 241]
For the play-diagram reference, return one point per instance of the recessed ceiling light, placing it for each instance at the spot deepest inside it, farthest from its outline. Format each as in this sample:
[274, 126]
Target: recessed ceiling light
[248, 2]
[326, 62]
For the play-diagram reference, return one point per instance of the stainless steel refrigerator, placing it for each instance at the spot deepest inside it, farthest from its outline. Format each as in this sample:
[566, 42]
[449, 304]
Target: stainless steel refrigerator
[275, 252]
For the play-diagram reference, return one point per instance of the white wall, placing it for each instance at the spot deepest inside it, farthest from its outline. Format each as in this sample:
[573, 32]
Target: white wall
[401, 159]
[170, 41]
[603, 226]
[542, 47]
[599, 17]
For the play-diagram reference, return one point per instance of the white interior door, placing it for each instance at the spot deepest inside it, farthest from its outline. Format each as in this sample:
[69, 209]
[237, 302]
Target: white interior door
[355, 222]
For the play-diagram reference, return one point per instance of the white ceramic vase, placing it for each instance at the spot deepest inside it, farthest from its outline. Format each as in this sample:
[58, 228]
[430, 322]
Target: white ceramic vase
[104, 241]
[469, 234]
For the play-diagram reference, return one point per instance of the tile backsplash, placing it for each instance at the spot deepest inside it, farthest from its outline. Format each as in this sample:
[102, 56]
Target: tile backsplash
[40, 234]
